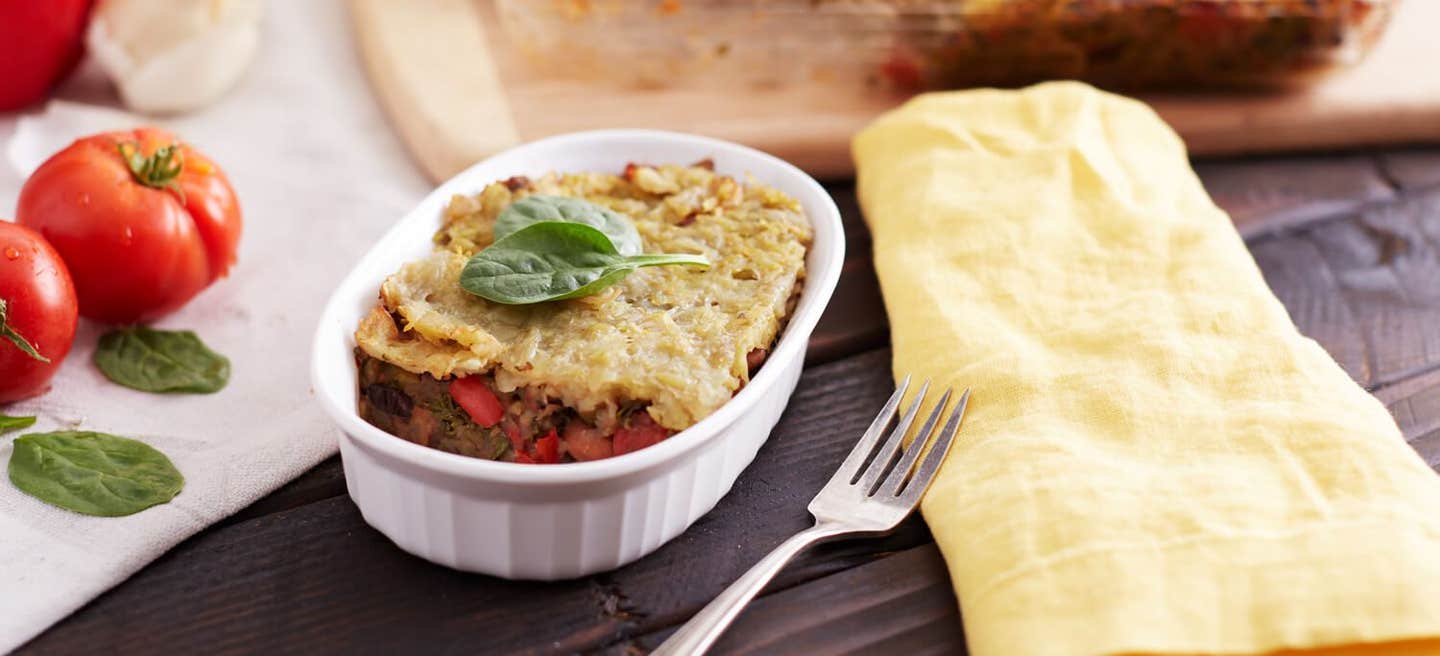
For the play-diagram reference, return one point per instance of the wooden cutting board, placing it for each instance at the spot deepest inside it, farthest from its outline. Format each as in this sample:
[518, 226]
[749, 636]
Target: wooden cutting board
[456, 93]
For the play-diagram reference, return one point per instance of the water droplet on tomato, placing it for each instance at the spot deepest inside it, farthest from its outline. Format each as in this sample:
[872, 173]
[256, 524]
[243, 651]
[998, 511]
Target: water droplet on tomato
[83, 198]
[128, 237]
[11, 253]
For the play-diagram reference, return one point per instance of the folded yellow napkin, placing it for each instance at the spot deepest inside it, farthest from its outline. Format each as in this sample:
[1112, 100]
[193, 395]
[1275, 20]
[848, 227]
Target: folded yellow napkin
[1154, 459]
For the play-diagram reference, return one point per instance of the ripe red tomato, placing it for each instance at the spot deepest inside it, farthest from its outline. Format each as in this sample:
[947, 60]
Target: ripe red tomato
[585, 442]
[144, 222]
[640, 433]
[547, 448]
[477, 399]
[37, 312]
[39, 44]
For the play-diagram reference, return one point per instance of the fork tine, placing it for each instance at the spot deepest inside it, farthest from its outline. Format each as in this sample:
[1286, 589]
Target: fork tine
[886, 454]
[897, 476]
[928, 468]
[849, 469]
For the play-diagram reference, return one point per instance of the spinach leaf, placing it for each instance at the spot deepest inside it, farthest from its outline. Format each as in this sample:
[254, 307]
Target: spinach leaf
[8, 423]
[93, 473]
[161, 361]
[541, 209]
[553, 261]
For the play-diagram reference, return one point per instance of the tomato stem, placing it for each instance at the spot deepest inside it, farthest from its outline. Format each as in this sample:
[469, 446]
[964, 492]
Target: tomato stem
[9, 333]
[161, 170]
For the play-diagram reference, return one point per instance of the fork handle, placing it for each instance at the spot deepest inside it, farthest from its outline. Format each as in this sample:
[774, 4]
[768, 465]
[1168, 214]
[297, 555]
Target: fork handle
[697, 635]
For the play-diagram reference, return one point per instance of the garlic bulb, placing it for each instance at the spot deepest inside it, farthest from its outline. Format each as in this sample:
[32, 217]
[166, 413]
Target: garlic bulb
[169, 56]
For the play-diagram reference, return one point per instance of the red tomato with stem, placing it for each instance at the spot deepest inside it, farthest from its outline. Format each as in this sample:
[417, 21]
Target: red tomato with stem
[143, 222]
[37, 312]
[40, 41]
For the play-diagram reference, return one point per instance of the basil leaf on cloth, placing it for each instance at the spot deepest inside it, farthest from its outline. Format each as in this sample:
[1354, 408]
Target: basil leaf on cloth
[8, 423]
[161, 361]
[93, 473]
[553, 261]
[562, 209]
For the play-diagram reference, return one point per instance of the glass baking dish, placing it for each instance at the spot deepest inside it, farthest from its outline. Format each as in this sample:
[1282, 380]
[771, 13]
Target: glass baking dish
[931, 44]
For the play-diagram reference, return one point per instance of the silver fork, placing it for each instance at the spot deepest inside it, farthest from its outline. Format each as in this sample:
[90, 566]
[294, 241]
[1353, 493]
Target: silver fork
[866, 496]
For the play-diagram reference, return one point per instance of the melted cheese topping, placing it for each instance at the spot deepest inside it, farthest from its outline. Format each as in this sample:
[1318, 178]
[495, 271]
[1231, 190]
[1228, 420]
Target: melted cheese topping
[673, 337]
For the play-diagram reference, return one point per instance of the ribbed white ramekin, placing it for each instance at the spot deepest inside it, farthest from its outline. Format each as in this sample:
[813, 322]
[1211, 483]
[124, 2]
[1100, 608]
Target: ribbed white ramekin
[562, 521]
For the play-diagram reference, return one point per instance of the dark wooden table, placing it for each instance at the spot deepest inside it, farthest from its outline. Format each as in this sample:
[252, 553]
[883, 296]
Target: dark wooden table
[1350, 242]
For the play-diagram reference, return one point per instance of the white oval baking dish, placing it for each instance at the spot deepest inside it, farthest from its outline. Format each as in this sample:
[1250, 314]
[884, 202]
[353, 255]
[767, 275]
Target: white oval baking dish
[562, 521]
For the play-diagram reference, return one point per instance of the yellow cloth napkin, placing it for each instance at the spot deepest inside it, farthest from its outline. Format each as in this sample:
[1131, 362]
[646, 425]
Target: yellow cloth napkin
[1154, 460]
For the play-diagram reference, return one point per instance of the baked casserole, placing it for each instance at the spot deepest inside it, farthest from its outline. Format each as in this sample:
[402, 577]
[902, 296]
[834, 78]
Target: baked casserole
[601, 375]
[929, 44]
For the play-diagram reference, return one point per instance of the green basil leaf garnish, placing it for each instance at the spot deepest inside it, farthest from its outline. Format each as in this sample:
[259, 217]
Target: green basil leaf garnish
[93, 473]
[542, 209]
[551, 261]
[161, 361]
[8, 423]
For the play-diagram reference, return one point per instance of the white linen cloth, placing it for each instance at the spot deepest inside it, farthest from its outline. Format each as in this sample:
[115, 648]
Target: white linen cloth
[320, 176]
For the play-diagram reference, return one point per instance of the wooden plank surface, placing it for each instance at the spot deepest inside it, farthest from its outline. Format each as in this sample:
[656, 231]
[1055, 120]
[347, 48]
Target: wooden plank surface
[457, 93]
[1271, 194]
[1347, 242]
[1412, 168]
[828, 617]
[408, 48]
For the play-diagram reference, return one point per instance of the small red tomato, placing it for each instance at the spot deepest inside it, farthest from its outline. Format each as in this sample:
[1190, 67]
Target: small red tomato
[143, 222]
[40, 41]
[37, 312]
[547, 448]
[1207, 24]
[477, 399]
[642, 431]
[512, 431]
[903, 70]
[585, 442]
